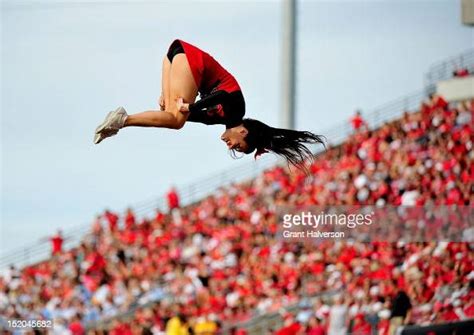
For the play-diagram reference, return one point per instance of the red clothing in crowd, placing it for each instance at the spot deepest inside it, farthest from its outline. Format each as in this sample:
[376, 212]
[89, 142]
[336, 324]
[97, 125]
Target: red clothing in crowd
[97, 262]
[292, 329]
[361, 327]
[129, 219]
[449, 315]
[469, 310]
[357, 122]
[112, 219]
[57, 244]
[439, 102]
[173, 199]
[383, 327]
[76, 328]
[461, 73]
[316, 330]
[121, 329]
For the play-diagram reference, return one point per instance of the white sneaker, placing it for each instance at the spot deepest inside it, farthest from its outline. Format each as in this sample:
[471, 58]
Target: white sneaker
[103, 135]
[113, 121]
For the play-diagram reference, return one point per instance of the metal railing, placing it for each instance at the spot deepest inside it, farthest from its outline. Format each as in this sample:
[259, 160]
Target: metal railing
[456, 327]
[191, 193]
[443, 70]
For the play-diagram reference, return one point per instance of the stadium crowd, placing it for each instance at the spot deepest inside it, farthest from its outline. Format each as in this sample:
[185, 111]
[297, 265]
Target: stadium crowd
[221, 262]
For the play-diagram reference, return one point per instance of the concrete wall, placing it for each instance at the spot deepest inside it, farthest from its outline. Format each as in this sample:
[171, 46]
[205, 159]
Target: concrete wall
[467, 12]
[456, 89]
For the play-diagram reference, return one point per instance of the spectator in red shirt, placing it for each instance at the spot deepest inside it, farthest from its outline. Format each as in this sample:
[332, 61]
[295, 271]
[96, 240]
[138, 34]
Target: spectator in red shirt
[462, 72]
[57, 243]
[75, 327]
[173, 199]
[437, 101]
[448, 314]
[129, 219]
[290, 326]
[315, 327]
[112, 219]
[358, 122]
[97, 262]
[361, 326]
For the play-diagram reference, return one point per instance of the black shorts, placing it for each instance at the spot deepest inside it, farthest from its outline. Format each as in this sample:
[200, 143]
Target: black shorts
[175, 49]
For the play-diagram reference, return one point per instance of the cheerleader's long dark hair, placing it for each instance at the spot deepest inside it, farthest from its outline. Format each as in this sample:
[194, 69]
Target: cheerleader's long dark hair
[290, 144]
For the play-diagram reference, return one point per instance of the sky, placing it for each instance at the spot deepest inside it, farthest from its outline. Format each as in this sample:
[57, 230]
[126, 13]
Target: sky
[64, 65]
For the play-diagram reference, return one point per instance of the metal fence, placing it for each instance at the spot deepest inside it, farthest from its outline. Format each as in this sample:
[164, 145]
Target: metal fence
[38, 251]
[443, 70]
[462, 327]
[191, 193]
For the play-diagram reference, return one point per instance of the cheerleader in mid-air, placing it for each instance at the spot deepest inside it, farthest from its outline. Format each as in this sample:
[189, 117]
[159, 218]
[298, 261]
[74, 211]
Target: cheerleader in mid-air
[188, 71]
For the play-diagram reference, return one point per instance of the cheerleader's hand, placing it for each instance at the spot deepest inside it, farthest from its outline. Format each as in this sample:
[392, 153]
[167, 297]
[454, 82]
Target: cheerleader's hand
[161, 102]
[182, 106]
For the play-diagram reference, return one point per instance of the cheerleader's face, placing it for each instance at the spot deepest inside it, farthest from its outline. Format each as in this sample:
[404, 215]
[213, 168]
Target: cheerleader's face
[234, 138]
